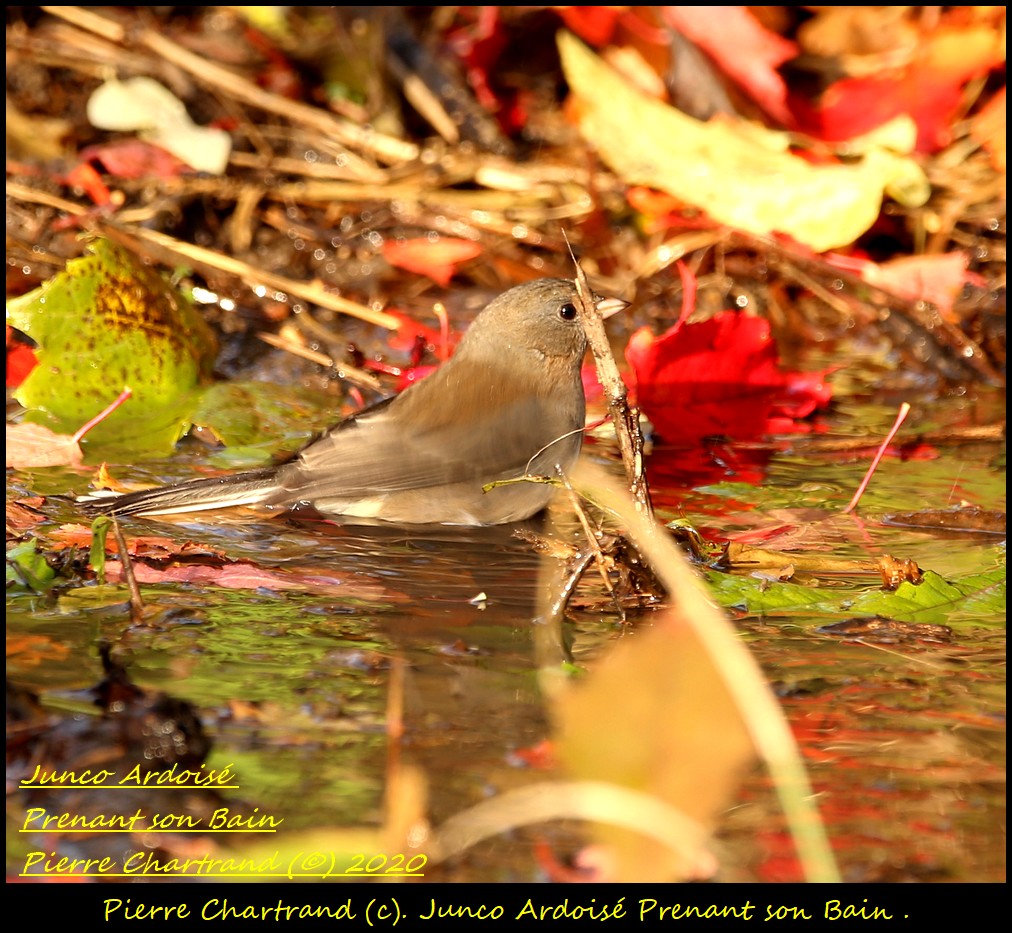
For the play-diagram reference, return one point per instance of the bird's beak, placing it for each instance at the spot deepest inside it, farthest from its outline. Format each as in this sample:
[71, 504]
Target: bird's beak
[609, 306]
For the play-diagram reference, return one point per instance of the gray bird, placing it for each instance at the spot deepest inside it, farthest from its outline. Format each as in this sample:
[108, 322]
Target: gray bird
[509, 402]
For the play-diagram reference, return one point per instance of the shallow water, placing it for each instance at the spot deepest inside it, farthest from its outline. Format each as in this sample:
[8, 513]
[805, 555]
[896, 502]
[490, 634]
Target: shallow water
[299, 688]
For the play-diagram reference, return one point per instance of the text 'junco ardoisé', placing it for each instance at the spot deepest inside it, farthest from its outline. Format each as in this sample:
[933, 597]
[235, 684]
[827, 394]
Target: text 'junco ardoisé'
[509, 402]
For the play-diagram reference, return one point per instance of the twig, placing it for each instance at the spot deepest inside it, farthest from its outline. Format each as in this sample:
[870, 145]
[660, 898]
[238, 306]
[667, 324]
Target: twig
[593, 543]
[904, 410]
[136, 603]
[308, 291]
[352, 373]
[387, 148]
[33, 196]
[624, 418]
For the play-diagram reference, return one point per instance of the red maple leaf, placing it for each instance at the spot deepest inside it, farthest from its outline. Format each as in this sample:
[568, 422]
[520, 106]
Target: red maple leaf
[719, 377]
[478, 44]
[594, 24]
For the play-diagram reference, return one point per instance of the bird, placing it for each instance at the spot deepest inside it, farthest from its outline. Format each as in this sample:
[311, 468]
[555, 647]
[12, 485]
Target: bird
[509, 403]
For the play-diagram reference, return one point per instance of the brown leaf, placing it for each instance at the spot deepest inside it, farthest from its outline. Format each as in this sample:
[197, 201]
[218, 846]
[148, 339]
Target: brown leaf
[32, 445]
[656, 717]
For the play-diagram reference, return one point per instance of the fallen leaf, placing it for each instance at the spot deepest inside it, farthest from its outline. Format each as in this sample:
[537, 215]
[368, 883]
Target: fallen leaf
[438, 259]
[960, 518]
[142, 104]
[478, 45]
[593, 24]
[743, 48]
[740, 174]
[879, 631]
[105, 322]
[20, 360]
[134, 158]
[242, 575]
[148, 546]
[938, 279]
[929, 89]
[24, 513]
[32, 650]
[85, 177]
[720, 377]
[34, 445]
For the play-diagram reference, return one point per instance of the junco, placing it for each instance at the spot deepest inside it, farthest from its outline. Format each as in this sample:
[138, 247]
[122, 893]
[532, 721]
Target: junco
[509, 402]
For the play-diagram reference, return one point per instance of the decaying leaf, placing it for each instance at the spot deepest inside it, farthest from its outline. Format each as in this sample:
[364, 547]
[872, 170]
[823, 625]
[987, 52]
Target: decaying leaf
[34, 445]
[107, 322]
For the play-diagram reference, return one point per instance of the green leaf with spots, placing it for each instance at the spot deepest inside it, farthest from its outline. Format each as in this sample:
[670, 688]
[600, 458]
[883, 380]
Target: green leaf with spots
[105, 323]
[258, 420]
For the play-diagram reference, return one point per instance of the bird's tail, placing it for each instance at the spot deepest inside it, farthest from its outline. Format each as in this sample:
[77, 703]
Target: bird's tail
[219, 492]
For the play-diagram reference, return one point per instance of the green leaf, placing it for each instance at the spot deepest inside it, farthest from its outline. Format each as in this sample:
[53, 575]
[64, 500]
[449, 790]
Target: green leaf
[760, 596]
[936, 600]
[105, 323]
[27, 568]
[977, 599]
[263, 415]
[99, 531]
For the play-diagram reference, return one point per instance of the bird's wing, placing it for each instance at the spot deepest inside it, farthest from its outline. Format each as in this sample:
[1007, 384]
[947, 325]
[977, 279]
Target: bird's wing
[382, 452]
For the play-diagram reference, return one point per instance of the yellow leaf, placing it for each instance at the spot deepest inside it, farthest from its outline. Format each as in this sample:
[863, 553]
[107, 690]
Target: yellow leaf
[742, 175]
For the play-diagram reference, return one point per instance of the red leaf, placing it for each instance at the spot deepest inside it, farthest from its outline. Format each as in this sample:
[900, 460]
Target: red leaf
[20, 359]
[929, 89]
[594, 24]
[936, 278]
[278, 76]
[744, 49]
[411, 331]
[85, 177]
[436, 258]
[242, 575]
[855, 106]
[479, 45]
[132, 158]
[719, 377]
[413, 375]
[541, 756]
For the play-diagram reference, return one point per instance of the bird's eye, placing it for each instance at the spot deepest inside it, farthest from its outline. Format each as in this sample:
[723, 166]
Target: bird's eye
[568, 312]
